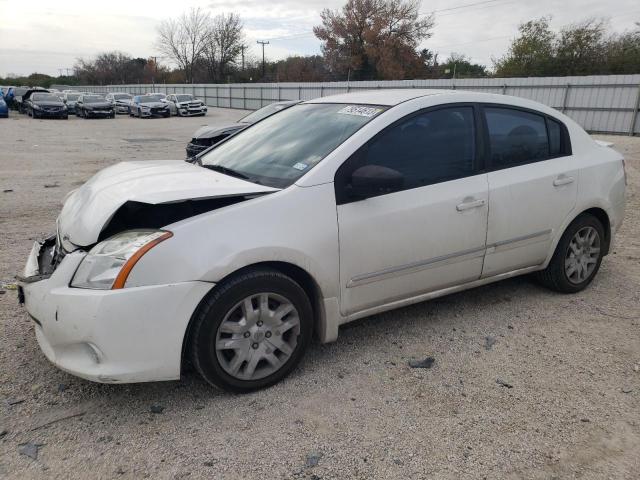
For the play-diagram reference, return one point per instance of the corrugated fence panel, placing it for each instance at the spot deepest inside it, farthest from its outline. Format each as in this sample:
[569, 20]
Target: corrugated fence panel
[601, 103]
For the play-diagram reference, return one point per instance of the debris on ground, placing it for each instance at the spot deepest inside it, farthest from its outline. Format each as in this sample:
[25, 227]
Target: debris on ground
[30, 449]
[157, 409]
[51, 185]
[313, 459]
[426, 363]
[502, 383]
[7, 190]
[489, 342]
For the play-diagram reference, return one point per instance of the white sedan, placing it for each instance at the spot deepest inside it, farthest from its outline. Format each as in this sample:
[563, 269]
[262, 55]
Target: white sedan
[329, 211]
[185, 105]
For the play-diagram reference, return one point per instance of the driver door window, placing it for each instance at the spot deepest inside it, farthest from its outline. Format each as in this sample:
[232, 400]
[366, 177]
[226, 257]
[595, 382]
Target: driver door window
[427, 148]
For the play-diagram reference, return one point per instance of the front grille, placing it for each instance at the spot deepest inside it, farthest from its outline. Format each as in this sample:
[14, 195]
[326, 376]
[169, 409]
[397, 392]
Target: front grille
[51, 254]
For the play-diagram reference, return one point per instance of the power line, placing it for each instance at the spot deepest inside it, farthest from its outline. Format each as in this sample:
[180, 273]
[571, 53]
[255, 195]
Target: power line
[459, 7]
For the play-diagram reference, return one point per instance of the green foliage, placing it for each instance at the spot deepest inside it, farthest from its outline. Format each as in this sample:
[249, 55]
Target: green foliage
[585, 48]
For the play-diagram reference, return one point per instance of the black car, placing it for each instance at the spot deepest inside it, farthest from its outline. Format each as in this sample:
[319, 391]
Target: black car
[45, 105]
[207, 136]
[22, 96]
[94, 106]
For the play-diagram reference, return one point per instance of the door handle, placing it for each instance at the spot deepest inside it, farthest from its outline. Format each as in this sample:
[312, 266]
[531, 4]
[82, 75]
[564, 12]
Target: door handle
[470, 204]
[562, 180]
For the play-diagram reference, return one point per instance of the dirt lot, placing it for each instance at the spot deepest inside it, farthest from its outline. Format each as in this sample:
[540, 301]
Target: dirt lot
[354, 409]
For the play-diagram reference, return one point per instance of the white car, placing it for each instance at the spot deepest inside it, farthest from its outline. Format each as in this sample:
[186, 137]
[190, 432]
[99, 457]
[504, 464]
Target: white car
[185, 105]
[331, 210]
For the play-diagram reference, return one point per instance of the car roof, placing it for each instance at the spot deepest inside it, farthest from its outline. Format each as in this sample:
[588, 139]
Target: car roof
[388, 97]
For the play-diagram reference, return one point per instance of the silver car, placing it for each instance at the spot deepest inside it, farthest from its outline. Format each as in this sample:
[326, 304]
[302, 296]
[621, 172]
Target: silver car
[185, 105]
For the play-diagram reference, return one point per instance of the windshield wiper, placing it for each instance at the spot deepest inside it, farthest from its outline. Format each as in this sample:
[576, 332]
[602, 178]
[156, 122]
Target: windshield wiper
[227, 171]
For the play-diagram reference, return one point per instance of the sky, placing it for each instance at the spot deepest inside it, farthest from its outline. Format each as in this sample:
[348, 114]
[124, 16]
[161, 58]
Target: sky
[45, 36]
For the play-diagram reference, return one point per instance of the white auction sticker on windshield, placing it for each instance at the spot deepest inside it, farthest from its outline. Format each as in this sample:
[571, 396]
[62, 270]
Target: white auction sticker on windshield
[300, 166]
[360, 111]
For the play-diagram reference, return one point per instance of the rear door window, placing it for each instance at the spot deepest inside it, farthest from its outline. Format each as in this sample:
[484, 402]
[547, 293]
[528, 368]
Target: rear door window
[516, 137]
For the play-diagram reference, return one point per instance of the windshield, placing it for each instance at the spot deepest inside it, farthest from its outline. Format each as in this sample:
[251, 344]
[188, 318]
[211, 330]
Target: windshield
[147, 99]
[184, 98]
[121, 96]
[93, 99]
[282, 148]
[157, 97]
[264, 112]
[72, 96]
[44, 97]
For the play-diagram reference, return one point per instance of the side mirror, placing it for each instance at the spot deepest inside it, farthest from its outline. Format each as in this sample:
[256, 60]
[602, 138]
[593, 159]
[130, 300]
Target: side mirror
[372, 180]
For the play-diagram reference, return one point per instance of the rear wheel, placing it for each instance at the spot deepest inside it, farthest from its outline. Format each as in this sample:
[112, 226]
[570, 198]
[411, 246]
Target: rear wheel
[577, 257]
[251, 331]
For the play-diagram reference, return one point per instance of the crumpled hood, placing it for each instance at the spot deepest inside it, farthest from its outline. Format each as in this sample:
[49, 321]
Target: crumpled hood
[213, 131]
[88, 209]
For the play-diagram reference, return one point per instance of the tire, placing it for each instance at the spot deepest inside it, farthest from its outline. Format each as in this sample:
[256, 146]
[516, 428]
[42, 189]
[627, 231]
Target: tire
[167, 115]
[227, 304]
[559, 275]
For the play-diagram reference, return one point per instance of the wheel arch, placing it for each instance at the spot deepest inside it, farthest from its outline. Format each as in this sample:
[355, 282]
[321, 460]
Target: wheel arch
[603, 217]
[298, 274]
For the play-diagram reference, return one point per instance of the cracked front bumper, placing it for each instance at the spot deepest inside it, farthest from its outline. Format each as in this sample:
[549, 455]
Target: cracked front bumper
[110, 336]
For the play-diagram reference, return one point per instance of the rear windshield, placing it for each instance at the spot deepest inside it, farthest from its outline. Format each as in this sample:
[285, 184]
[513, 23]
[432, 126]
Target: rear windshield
[121, 96]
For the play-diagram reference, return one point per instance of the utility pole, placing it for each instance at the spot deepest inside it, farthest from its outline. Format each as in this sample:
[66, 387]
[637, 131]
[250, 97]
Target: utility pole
[263, 43]
[242, 47]
[155, 68]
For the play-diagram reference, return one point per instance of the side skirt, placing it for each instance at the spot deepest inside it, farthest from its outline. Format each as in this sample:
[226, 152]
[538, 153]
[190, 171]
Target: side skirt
[437, 293]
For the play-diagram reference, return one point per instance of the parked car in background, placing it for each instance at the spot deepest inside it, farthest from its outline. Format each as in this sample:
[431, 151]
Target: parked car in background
[70, 99]
[329, 211]
[4, 109]
[146, 106]
[207, 136]
[45, 105]
[157, 96]
[21, 99]
[120, 101]
[185, 105]
[94, 106]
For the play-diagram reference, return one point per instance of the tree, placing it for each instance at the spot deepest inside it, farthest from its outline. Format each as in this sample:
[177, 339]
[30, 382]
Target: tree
[530, 54]
[185, 40]
[584, 48]
[374, 39]
[225, 43]
[581, 48]
[462, 66]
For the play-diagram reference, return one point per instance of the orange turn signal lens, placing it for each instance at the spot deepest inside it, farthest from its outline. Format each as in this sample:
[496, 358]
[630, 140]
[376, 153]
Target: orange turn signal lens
[121, 279]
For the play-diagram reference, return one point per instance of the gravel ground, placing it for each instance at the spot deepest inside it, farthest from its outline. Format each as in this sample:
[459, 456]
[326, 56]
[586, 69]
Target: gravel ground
[526, 383]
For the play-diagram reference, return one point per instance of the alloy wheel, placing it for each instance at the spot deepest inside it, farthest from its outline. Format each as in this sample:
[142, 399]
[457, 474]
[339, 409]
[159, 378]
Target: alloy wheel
[582, 255]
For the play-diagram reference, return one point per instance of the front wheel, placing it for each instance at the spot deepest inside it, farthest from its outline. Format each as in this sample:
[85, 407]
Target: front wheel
[251, 331]
[577, 257]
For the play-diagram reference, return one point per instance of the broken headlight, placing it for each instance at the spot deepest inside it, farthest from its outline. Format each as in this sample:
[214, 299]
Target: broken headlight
[108, 264]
